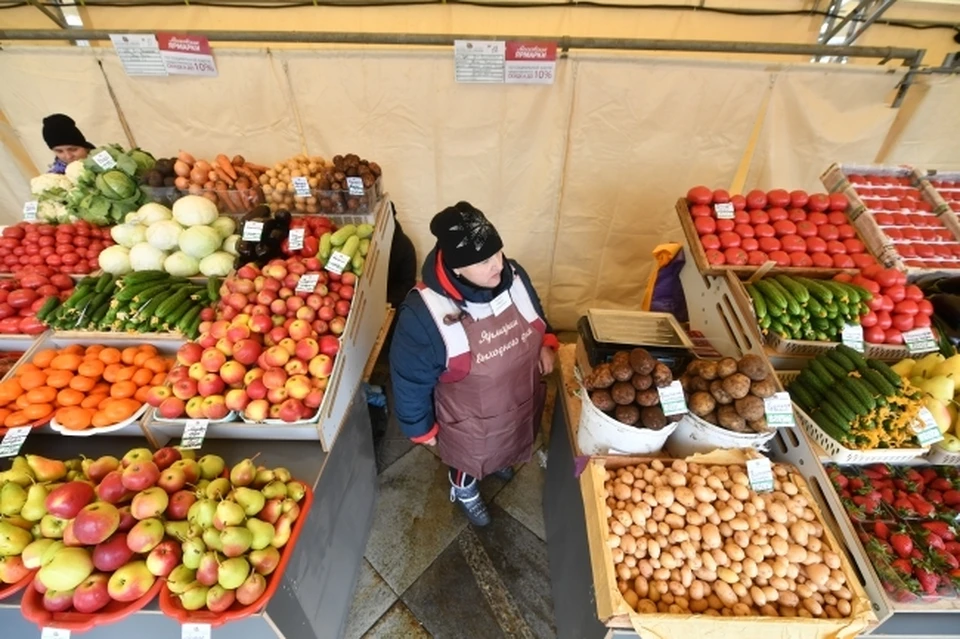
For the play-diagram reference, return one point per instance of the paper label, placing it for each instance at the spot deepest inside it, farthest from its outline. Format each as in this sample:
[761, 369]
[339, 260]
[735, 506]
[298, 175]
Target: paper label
[760, 474]
[355, 186]
[104, 160]
[30, 211]
[193, 434]
[927, 430]
[195, 631]
[530, 62]
[302, 186]
[501, 303]
[13, 440]
[672, 400]
[337, 262]
[852, 336]
[779, 410]
[920, 340]
[186, 55]
[295, 239]
[252, 231]
[724, 210]
[479, 61]
[54, 633]
[139, 54]
[307, 283]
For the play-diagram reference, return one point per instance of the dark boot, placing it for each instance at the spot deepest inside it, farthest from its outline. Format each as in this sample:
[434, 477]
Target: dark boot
[465, 490]
[506, 474]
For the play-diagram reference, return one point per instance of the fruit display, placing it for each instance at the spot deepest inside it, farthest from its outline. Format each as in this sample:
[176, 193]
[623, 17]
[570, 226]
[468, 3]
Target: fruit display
[948, 188]
[104, 192]
[71, 248]
[352, 241]
[81, 388]
[860, 403]
[346, 184]
[692, 538]
[626, 389]
[142, 302]
[231, 184]
[270, 351]
[265, 232]
[730, 393]
[936, 377]
[896, 306]
[25, 295]
[191, 239]
[792, 229]
[806, 309]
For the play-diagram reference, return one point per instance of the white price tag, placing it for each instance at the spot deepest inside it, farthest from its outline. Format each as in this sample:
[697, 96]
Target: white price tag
[193, 434]
[301, 186]
[920, 340]
[760, 474]
[724, 210]
[779, 410]
[852, 336]
[30, 211]
[501, 303]
[927, 430]
[337, 262]
[13, 440]
[252, 231]
[104, 160]
[195, 631]
[307, 283]
[54, 633]
[672, 400]
[295, 239]
[355, 186]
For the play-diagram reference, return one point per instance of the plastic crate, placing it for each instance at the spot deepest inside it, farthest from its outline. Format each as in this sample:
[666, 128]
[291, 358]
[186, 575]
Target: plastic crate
[843, 455]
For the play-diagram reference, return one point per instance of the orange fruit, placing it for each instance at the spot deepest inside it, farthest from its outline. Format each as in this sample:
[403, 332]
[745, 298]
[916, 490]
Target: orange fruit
[16, 419]
[141, 394]
[120, 409]
[126, 373]
[142, 377]
[94, 350]
[70, 397]
[73, 349]
[59, 379]
[4, 413]
[156, 364]
[92, 368]
[92, 401]
[33, 379]
[158, 379]
[41, 395]
[22, 402]
[36, 412]
[66, 362]
[110, 372]
[109, 355]
[123, 389]
[43, 358]
[147, 348]
[102, 388]
[128, 354]
[74, 418]
[10, 390]
[83, 384]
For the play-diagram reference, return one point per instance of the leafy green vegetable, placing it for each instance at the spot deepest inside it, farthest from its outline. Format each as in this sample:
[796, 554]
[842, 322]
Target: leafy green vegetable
[105, 196]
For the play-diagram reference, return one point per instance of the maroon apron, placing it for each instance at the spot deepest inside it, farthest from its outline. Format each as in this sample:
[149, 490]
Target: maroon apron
[489, 402]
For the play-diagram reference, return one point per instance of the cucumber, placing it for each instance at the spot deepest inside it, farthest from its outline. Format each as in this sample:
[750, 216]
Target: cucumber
[182, 309]
[829, 425]
[852, 292]
[103, 282]
[793, 307]
[881, 367]
[842, 360]
[174, 301]
[835, 369]
[826, 378]
[863, 295]
[184, 323]
[149, 308]
[830, 410]
[213, 289]
[848, 410]
[131, 291]
[817, 289]
[840, 294]
[48, 307]
[772, 294]
[800, 394]
[796, 289]
[812, 382]
[862, 395]
[141, 277]
[193, 330]
[881, 383]
[814, 308]
[853, 355]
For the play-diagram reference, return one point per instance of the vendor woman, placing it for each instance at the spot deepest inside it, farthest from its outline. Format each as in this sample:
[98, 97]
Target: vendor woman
[66, 141]
[470, 347]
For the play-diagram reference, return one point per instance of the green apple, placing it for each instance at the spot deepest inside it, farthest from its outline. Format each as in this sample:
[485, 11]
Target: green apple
[950, 443]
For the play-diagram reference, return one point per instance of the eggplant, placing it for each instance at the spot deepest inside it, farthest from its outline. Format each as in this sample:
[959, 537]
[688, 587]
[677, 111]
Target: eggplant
[283, 216]
[946, 307]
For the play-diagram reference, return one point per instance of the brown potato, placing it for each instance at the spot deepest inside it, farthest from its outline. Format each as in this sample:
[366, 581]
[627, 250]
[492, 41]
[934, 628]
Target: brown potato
[602, 400]
[699, 384]
[753, 367]
[642, 361]
[726, 367]
[662, 375]
[758, 425]
[649, 397]
[623, 393]
[736, 385]
[653, 418]
[621, 371]
[749, 407]
[642, 382]
[729, 419]
[628, 415]
[702, 403]
[708, 370]
[602, 376]
[722, 396]
[620, 357]
[765, 387]
[712, 418]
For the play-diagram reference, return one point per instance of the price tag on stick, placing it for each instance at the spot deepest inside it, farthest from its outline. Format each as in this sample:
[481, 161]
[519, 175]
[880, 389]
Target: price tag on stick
[852, 336]
[724, 210]
[920, 340]
[337, 262]
[779, 410]
[295, 239]
[671, 399]
[104, 160]
[760, 474]
[927, 430]
[195, 631]
[30, 211]
[193, 434]
[307, 283]
[54, 633]
[252, 231]
[301, 186]
[12, 442]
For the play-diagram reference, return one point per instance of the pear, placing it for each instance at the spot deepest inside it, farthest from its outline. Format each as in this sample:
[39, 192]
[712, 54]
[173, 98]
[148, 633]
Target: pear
[13, 539]
[195, 597]
[211, 538]
[202, 512]
[12, 499]
[181, 579]
[927, 363]
[33, 554]
[904, 368]
[264, 477]
[243, 473]
[275, 490]
[940, 413]
[949, 367]
[233, 572]
[228, 514]
[218, 488]
[282, 474]
[941, 387]
[236, 541]
[193, 551]
[950, 443]
[296, 490]
[262, 532]
[20, 463]
[211, 466]
[18, 476]
[46, 469]
[250, 500]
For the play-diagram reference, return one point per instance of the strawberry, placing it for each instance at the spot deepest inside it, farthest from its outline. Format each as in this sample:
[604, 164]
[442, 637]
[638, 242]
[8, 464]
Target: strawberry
[933, 541]
[922, 507]
[927, 579]
[947, 559]
[881, 530]
[951, 497]
[934, 496]
[904, 508]
[886, 495]
[876, 471]
[928, 474]
[941, 529]
[855, 484]
[902, 566]
[941, 483]
[952, 547]
[902, 544]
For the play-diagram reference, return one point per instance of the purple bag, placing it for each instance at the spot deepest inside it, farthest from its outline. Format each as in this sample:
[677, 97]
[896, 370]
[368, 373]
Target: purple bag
[668, 292]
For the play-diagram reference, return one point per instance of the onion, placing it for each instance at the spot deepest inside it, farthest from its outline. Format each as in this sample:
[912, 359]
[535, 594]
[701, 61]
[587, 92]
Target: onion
[203, 165]
[181, 168]
[197, 176]
[182, 183]
[183, 156]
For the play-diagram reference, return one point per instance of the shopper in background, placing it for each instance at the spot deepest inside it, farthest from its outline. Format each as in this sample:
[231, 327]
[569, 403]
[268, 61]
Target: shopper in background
[63, 137]
[470, 347]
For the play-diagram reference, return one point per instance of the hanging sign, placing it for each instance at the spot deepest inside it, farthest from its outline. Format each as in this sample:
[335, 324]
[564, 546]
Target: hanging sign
[186, 55]
[505, 62]
[139, 54]
[479, 61]
[530, 62]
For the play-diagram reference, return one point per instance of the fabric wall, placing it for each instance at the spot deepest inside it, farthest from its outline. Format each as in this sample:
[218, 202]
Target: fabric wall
[929, 117]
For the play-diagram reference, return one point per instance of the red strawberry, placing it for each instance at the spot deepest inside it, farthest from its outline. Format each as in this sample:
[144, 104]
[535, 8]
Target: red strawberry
[934, 541]
[928, 474]
[928, 580]
[902, 566]
[923, 507]
[902, 544]
[934, 496]
[904, 507]
[881, 530]
[941, 484]
[877, 470]
[941, 529]
[951, 497]
[952, 547]
[856, 484]
[948, 559]
[886, 494]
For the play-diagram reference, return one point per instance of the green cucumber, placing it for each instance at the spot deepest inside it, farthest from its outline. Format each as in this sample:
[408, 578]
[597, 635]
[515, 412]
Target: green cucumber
[48, 307]
[187, 320]
[774, 298]
[796, 289]
[835, 369]
[842, 360]
[880, 382]
[793, 307]
[817, 289]
[888, 373]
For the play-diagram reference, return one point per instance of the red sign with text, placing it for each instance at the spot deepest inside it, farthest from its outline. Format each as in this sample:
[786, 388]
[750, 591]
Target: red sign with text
[530, 62]
[186, 55]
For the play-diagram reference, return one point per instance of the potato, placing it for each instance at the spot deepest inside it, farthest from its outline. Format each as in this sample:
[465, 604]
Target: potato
[602, 376]
[758, 425]
[641, 382]
[718, 392]
[642, 362]
[708, 370]
[764, 387]
[736, 385]
[620, 357]
[699, 384]
[730, 419]
[662, 375]
[712, 418]
[750, 407]
[602, 400]
[753, 367]
[685, 382]
[702, 403]
[649, 397]
[652, 417]
[623, 393]
[621, 371]
[628, 415]
[726, 367]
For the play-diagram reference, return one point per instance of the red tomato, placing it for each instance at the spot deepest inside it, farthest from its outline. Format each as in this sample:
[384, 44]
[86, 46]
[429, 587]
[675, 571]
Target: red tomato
[874, 335]
[54, 260]
[924, 250]
[836, 248]
[800, 259]
[729, 240]
[739, 202]
[896, 293]
[715, 257]
[6, 310]
[47, 290]
[893, 233]
[778, 197]
[816, 245]
[756, 199]
[81, 241]
[893, 336]
[780, 257]
[842, 260]
[905, 307]
[70, 259]
[47, 251]
[836, 218]
[767, 243]
[818, 202]
[870, 285]
[710, 242]
[743, 230]
[749, 244]
[46, 240]
[822, 260]
[891, 205]
[796, 215]
[758, 216]
[798, 199]
[868, 320]
[883, 219]
[784, 227]
[886, 277]
[757, 258]
[817, 218]
[721, 195]
[855, 246]
[838, 202]
[21, 298]
[764, 230]
[725, 225]
[704, 226]
[793, 243]
[735, 256]
[806, 229]
[900, 219]
[701, 210]
[828, 232]
[741, 217]
[921, 320]
[906, 250]
[924, 307]
[777, 214]
[699, 195]
[875, 303]
[883, 320]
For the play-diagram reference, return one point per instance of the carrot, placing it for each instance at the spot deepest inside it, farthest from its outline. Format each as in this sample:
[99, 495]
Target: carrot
[243, 170]
[225, 198]
[223, 177]
[224, 163]
[242, 184]
[259, 168]
[237, 160]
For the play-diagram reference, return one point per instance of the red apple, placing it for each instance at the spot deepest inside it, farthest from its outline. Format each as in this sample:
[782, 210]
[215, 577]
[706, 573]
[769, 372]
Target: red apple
[66, 500]
[92, 595]
[112, 553]
[189, 354]
[140, 476]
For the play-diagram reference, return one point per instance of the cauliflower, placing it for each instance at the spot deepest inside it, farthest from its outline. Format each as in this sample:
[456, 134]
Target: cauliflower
[48, 182]
[53, 212]
[74, 170]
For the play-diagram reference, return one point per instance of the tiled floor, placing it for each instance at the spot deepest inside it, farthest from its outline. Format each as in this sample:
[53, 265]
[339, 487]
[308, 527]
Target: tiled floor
[427, 573]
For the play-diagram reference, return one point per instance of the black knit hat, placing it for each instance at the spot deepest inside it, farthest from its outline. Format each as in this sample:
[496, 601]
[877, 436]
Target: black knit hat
[464, 235]
[61, 130]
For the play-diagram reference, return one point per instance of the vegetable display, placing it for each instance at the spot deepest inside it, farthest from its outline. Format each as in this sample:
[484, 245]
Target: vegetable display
[144, 302]
[274, 230]
[730, 393]
[72, 248]
[626, 389]
[231, 184]
[338, 186]
[807, 309]
[24, 296]
[860, 403]
[51, 191]
[896, 306]
[103, 196]
[793, 229]
[692, 538]
[351, 241]
[949, 191]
